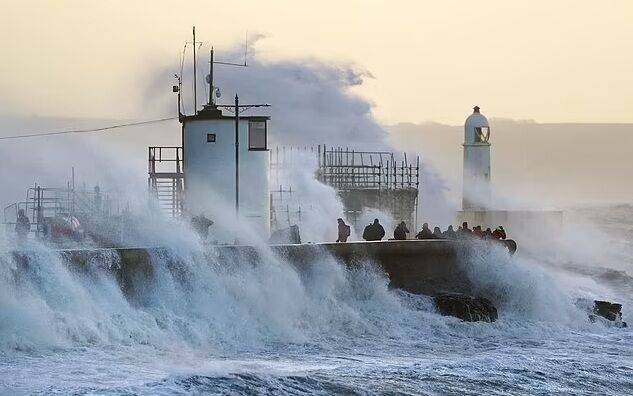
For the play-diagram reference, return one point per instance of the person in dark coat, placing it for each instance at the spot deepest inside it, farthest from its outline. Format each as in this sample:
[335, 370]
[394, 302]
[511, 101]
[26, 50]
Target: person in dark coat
[344, 231]
[374, 231]
[425, 232]
[450, 233]
[437, 233]
[200, 225]
[478, 232]
[22, 225]
[464, 231]
[401, 231]
[488, 233]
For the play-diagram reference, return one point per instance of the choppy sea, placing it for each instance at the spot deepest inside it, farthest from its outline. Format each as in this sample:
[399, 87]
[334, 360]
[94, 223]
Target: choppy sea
[218, 328]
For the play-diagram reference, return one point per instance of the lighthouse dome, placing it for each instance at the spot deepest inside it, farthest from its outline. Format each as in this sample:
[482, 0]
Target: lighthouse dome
[476, 128]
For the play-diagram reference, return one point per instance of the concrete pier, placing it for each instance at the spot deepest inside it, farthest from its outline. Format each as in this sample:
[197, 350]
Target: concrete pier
[418, 266]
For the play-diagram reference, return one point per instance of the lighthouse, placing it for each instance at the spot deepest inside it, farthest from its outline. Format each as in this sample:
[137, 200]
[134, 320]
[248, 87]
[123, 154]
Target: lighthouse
[477, 208]
[476, 183]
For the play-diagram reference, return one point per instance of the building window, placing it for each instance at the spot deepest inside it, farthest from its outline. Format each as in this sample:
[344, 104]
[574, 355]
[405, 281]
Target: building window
[210, 137]
[482, 134]
[257, 135]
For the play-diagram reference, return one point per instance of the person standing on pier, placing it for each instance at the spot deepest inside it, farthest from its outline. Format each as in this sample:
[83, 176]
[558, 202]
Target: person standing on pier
[425, 232]
[22, 225]
[499, 233]
[374, 231]
[401, 231]
[344, 231]
[200, 225]
[464, 231]
[450, 233]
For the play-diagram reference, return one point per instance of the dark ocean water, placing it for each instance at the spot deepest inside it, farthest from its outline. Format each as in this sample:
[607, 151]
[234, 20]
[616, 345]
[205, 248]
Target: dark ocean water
[268, 329]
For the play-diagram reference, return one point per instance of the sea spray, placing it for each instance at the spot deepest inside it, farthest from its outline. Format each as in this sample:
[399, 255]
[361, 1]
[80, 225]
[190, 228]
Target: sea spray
[202, 322]
[525, 289]
[191, 300]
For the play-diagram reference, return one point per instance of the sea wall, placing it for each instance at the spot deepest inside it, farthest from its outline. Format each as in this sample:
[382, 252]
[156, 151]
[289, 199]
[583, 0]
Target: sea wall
[418, 266]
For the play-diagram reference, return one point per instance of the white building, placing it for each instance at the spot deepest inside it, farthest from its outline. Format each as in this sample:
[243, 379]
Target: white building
[476, 183]
[209, 159]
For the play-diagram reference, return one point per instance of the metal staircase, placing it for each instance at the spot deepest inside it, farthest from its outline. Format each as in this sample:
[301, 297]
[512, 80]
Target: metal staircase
[166, 178]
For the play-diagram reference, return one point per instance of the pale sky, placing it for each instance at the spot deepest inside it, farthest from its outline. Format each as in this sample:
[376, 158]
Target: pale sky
[547, 60]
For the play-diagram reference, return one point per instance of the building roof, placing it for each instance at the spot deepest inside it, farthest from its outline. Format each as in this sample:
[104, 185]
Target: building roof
[212, 112]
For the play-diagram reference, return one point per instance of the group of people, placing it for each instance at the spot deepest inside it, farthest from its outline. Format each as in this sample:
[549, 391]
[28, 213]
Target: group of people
[375, 232]
[461, 232]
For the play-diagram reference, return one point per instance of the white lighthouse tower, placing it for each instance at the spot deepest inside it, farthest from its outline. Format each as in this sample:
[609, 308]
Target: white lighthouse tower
[476, 184]
[477, 208]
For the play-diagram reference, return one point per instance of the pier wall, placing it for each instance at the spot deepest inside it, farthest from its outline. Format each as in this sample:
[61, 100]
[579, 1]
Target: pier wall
[427, 267]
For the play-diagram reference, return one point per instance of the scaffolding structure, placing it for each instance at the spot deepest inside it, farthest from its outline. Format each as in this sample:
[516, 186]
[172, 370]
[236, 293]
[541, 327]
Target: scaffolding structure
[361, 179]
[346, 169]
[44, 203]
[166, 178]
[372, 179]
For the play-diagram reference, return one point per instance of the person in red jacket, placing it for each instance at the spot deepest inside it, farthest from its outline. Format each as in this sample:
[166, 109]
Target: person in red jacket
[499, 233]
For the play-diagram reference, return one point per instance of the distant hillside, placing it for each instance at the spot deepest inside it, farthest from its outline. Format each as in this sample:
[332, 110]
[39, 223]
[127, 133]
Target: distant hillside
[557, 164]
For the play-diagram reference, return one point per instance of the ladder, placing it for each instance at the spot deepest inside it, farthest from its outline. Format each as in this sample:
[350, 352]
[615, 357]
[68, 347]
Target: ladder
[166, 179]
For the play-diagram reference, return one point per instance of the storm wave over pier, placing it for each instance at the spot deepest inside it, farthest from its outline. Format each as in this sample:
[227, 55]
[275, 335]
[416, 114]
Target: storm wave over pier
[198, 324]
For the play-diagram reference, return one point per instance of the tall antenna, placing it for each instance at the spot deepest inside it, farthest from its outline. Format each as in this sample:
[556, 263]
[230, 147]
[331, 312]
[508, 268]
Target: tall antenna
[212, 62]
[210, 78]
[246, 48]
[195, 79]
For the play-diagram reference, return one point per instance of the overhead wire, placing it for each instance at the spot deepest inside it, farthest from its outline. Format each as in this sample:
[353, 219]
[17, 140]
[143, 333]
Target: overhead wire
[90, 130]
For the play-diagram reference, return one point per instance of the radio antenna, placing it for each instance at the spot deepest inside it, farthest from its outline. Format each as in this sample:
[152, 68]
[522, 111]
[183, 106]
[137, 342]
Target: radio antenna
[212, 62]
[246, 49]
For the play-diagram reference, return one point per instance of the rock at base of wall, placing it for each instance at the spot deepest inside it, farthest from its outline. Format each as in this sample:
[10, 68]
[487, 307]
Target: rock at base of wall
[610, 311]
[466, 308]
[597, 309]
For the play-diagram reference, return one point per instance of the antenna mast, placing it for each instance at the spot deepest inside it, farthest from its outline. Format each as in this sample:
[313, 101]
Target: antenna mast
[212, 61]
[211, 89]
[195, 79]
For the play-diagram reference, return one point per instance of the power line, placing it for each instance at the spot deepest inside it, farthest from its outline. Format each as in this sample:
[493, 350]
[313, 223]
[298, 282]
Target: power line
[88, 130]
